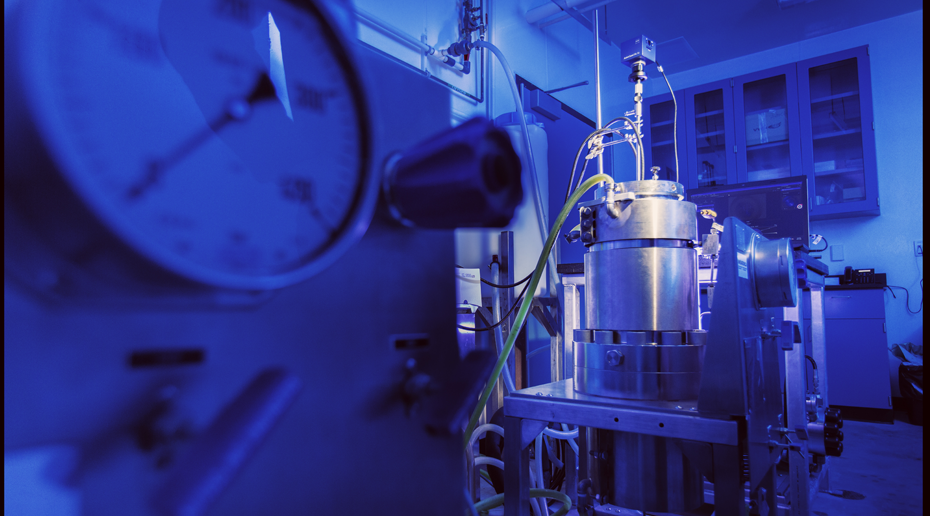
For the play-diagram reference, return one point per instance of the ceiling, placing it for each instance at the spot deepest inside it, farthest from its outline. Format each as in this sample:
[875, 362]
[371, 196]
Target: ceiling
[719, 30]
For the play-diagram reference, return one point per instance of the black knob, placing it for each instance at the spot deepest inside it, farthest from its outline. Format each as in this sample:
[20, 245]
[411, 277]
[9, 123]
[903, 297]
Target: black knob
[833, 415]
[468, 176]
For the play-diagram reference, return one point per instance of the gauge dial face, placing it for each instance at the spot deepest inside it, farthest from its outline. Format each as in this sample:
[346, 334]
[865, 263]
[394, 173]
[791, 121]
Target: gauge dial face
[223, 140]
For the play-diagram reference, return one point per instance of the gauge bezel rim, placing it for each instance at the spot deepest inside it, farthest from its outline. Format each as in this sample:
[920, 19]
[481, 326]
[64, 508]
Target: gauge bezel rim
[70, 168]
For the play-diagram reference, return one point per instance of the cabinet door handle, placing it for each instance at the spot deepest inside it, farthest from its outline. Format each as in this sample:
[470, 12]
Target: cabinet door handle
[840, 297]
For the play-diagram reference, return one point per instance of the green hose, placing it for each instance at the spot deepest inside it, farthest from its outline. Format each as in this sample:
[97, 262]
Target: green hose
[528, 299]
[498, 500]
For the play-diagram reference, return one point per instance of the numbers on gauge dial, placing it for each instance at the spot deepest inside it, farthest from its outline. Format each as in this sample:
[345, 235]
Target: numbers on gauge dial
[236, 150]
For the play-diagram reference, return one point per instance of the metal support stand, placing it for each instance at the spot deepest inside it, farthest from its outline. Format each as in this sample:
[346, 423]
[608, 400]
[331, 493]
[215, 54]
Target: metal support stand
[506, 277]
[819, 354]
[529, 410]
[517, 473]
[798, 488]
[597, 85]
[562, 358]
[798, 493]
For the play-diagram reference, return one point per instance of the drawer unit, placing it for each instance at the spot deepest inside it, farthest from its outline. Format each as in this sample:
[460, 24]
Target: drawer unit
[857, 352]
[854, 304]
[857, 363]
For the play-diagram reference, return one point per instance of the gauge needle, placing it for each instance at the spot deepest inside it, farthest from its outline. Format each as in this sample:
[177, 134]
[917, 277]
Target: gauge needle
[268, 45]
[238, 109]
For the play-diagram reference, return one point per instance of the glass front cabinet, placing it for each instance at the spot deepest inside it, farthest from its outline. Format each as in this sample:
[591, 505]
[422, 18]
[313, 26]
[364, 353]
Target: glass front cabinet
[658, 141]
[836, 133]
[710, 135]
[767, 133]
[810, 118]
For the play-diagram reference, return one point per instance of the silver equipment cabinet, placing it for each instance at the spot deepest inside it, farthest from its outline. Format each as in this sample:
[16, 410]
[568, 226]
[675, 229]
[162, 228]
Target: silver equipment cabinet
[663, 404]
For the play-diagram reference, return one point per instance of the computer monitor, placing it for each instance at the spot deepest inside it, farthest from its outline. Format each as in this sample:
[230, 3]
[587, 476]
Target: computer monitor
[776, 208]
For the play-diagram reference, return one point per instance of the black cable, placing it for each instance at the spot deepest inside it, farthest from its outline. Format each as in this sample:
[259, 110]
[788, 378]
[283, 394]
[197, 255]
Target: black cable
[581, 175]
[558, 477]
[504, 318]
[907, 298]
[571, 179]
[555, 483]
[604, 130]
[825, 245]
[495, 285]
[812, 361]
[512, 285]
[640, 157]
[674, 120]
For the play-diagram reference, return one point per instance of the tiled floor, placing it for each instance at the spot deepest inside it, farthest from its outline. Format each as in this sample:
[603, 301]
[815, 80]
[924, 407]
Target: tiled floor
[882, 462]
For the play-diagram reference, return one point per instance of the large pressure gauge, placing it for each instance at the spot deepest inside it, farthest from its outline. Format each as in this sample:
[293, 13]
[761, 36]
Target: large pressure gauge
[225, 142]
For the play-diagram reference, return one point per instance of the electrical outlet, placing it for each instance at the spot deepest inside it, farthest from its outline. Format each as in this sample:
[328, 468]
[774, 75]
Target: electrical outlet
[918, 247]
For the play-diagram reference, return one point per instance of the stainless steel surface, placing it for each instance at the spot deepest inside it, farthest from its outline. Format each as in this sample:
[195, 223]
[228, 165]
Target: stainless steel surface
[819, 341]
[815, 439]
[650, 473]
[639, 272]
[819, 353]
[559, 402]
[587, 463]
[614, 358]
[640, 386]
[672, 423]
[641, 326]
[506, 277]
[571, 474]
[641, 289]
[517, 471]
[697, 291]
[775, 274]
[645, 372]
[819, 481]
[642, 338]
[562, 359]
[741, 364]
[637, 243]
[597, 85]
[796, 413]
[647, 218]
[466, 339]
[642, 189]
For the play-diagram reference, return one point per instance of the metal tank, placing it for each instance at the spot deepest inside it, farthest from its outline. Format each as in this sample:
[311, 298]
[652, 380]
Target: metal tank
[642, 338]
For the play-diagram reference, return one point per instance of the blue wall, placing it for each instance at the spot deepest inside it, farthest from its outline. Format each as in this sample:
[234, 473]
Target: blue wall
[885, 242]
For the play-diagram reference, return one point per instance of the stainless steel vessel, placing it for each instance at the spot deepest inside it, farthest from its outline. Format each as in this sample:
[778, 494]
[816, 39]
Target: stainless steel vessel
[642, 338]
